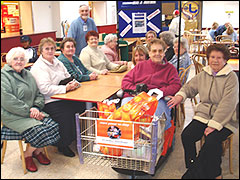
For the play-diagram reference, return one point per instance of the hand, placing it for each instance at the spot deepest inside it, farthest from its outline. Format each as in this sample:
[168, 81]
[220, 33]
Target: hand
[104, 72]
[72, 85]
[208, 130]
[93, 76]
[36, 114]
[174, 100]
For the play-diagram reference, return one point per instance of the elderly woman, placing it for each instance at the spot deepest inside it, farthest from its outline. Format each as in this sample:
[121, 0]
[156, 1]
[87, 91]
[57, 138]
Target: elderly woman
[49, 72]
[184, 59]
[150, 35]
[156, 73]
[72, 63]
[215, 115]
[109, 49]
[93, 58]
[140, 53]
[21, 108]
[168, 37]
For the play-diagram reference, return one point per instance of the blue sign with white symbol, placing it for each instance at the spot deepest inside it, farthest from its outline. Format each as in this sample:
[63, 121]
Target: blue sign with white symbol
[136, 22]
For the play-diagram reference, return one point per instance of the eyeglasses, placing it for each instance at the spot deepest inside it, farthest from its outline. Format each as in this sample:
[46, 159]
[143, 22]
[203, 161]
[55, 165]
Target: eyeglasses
[19, 59]
[48, 49]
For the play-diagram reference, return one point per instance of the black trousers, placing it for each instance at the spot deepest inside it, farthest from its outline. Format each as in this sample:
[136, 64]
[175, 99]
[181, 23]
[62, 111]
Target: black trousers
[63, 112]
[209, 157]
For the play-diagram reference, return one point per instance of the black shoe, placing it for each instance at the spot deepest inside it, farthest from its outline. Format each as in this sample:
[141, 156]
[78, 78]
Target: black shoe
[66, 151]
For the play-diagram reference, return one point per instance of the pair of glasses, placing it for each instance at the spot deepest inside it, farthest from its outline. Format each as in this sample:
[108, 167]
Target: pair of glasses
[48, 49]
[18, 59]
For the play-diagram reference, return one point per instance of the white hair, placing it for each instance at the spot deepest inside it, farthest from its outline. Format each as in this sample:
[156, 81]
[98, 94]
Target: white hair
[183, 42]
[12, 53]
[109, 38]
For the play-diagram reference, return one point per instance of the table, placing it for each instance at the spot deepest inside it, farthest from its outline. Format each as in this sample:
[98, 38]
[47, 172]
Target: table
[234, 63]
[96, 90]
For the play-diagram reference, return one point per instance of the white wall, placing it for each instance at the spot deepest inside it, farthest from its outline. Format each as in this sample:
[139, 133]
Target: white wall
[215, 11]
[42, 16]
[70, 10]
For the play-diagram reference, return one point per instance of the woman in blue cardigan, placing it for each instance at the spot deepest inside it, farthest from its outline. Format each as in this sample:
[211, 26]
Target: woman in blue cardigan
[72, 63]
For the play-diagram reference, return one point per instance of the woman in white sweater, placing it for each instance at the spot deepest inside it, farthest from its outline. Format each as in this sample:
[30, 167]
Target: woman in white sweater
[93, 58]
[48, 72]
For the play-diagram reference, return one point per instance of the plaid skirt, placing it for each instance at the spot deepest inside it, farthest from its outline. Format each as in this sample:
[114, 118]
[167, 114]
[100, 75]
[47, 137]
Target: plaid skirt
[38, 136]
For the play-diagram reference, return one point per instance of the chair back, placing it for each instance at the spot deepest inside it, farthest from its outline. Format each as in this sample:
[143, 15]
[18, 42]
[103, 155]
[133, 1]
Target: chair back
[198, 65]
[183, 74]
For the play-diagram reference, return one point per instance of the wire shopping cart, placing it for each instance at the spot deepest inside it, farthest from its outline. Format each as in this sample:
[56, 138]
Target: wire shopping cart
[147, 142]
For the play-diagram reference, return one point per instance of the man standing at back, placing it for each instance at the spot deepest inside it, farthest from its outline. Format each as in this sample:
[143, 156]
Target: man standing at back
[174, 26]
[79, 28]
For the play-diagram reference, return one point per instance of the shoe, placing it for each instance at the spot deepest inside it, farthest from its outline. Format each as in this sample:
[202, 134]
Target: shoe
[42, 159]
[66, 151]
[30, 165]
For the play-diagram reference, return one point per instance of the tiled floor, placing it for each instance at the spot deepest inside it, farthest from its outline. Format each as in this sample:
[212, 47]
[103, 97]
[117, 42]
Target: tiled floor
[62, 167]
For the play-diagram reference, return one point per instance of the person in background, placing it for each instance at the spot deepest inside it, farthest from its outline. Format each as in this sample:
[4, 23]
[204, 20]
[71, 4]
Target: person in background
[93, 58]
[149, 36]
[168, 38]
[156, 73]
[79, 28]
[49, 72]
[215, 116]
[174, 26]
[72, 63]
[31, 51]
[231, 34]
[212, 30]
[221, 29]
[110, 49]
[21, 109]
[184, 59]
[140, 53]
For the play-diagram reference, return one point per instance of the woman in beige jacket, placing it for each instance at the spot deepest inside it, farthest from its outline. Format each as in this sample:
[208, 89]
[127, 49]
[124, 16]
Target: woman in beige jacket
[215, 115]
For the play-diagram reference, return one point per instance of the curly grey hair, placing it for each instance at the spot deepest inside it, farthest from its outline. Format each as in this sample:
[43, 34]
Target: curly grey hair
[167, 37]
[110, 37]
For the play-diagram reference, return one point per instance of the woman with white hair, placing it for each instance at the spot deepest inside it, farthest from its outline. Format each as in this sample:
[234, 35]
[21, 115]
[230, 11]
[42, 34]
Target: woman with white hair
[184, 59]
[109, 49]
[21, 109]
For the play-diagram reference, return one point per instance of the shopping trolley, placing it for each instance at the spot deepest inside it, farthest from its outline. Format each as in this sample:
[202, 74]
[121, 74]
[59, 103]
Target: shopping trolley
[143, 156]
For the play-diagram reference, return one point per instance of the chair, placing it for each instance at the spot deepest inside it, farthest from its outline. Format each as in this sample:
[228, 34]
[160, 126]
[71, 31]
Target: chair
[221, 37]
[13, 135]
[3, 59]
[183, 73]
[225, 145]
[188, 35]
[196, 61]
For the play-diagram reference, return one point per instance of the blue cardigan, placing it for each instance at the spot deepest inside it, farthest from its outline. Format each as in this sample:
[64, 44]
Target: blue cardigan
[76, 69]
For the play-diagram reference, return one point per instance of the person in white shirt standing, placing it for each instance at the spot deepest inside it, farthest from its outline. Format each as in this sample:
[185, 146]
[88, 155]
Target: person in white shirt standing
[174, 26]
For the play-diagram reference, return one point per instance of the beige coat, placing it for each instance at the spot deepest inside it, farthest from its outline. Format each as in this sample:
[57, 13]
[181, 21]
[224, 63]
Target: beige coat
[219, 96]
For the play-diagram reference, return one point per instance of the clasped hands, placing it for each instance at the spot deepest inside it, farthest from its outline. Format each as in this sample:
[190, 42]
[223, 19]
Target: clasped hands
[36, 114]
[72, 85]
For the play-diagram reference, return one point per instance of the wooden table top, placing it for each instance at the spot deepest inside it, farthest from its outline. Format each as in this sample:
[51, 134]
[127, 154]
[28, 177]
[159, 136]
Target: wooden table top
[88, 93]
[95, 91]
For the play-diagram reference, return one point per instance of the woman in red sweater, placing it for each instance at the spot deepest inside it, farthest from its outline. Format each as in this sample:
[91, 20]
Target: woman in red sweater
[156, 72]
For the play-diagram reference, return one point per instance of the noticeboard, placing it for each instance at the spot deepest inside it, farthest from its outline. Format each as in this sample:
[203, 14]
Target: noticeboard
[138, 17]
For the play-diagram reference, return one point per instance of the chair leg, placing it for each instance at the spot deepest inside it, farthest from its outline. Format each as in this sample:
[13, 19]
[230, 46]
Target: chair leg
[22, 156]
[230, 154]
[178, 114]
[46, 153]
[3, 150]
